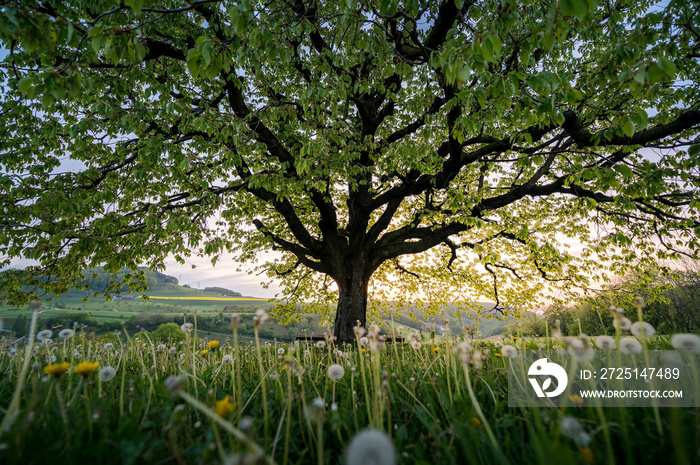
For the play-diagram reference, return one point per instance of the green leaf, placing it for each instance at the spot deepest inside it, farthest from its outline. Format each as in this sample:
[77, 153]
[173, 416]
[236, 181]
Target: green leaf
[496, 44]
[25, 84]
[487, 50]
[193, 62]
[628, 127]
[569, 7]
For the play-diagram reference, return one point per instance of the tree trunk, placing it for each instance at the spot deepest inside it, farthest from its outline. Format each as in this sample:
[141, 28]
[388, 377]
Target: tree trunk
[352, 303]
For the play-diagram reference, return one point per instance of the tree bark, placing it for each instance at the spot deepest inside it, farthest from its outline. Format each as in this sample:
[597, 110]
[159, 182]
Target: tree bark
[352, 302]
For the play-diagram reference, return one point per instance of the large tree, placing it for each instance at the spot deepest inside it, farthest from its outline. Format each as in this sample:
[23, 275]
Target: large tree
[463, 140]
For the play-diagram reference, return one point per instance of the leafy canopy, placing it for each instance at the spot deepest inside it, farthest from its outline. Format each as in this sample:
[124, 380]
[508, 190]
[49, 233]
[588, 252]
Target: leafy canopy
[388, 142]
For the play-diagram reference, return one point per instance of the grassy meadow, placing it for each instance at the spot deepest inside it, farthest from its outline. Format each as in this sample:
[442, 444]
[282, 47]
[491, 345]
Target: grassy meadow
[73, 397]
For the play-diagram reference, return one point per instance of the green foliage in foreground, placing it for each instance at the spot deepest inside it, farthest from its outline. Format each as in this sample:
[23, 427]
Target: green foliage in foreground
[435, 407]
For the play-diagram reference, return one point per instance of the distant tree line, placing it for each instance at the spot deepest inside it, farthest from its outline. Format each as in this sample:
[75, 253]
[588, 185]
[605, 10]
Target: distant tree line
[672, 305]
[223, 291]
[152, 321]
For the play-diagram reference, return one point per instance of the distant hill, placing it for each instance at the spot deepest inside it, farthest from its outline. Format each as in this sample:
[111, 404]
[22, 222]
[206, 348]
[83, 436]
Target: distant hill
[98, 280]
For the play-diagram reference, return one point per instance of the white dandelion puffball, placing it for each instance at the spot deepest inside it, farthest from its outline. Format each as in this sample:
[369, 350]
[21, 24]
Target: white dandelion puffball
[320, 344]
[624, 323]
[686, 342]
[65, 334]
[498, 344]
[187, 327]
[573, 343]
[280, 351]
[364, 341]
[629, 345]
[642, 329]
[582, 355]
[574, 430]
[336, 372]
[415, 345]
[160, 348]
[370, 447]
[45, 334]
[273, 375]
[109, 346]
[107, 374]
[605, 342]
[226, 359]
[509, 351]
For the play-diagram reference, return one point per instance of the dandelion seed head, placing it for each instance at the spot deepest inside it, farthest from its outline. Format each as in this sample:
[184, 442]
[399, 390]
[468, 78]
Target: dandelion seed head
[187, 327]
[107, 374]
[574, 430]
[689, 342]
[642, 329]
[509, 351]
[582, 355]
[605, 342]
[629, 345]
[44, 335]
[623, 323]
[370, 447]
[66, 333]
[336, 372]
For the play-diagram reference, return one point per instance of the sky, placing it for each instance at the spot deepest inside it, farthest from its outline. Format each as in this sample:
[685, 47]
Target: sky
[224, 274]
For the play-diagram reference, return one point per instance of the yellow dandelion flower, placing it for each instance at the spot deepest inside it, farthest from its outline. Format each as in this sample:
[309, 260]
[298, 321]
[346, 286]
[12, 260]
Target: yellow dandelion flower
[213, 344]
[476, 422]
[576, 399]
[436, 350]
[204, 352]
[57, 369]
[224, 408]
[86, 368]
[587, 455]
[498, 354]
